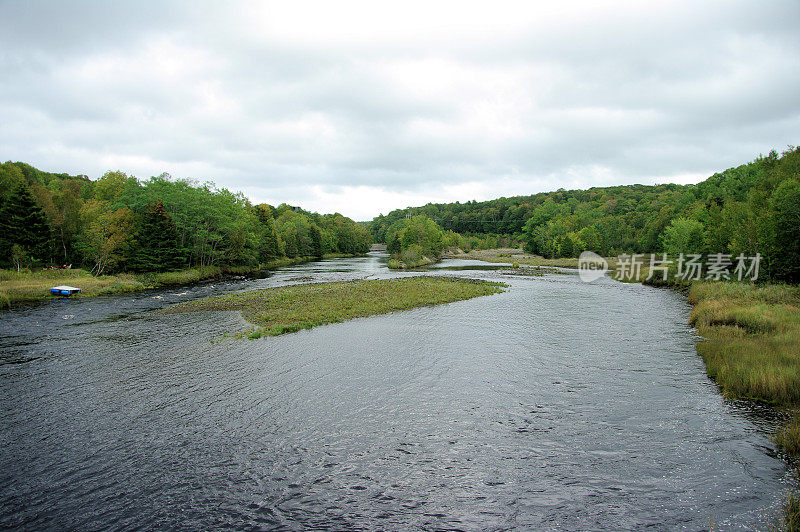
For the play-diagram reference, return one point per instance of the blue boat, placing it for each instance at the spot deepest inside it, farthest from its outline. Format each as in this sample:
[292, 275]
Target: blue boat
[64, 290]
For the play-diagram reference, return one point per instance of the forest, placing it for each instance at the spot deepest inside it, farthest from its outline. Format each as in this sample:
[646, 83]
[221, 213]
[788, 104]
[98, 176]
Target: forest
[749, 209]
[121, 223]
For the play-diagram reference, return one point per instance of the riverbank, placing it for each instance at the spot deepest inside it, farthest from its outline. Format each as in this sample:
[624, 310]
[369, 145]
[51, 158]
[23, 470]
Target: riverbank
[518, 256]
[751, 335]
[22, 286]
[275, 311]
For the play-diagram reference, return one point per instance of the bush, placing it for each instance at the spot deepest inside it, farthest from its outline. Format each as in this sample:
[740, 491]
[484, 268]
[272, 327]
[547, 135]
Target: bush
[412, 254]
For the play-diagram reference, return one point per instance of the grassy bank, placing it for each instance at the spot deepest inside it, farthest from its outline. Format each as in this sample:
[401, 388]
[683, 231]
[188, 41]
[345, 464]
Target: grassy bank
[33, 285]
[751, 335]
[751, 349]
[287, 309]
[23, 286]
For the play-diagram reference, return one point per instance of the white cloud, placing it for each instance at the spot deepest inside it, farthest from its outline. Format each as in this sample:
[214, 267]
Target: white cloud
[364, 107]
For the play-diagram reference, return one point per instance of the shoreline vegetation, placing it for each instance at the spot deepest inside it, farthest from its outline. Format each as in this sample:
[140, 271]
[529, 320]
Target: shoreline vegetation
[17, 287]
[750, 337]
[154, 227]
[281, 310]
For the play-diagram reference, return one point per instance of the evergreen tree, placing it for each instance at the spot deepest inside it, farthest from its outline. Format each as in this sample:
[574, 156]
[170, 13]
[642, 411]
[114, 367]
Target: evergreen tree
[316, 241]
[22, 222]
[157, 246]
[270, 248]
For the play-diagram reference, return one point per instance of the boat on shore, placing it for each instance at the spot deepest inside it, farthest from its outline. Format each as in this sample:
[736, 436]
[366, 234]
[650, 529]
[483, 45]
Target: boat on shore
[64, 290]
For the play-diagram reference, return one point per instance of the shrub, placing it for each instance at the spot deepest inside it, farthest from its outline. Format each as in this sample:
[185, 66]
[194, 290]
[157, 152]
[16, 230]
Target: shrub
[411, 255]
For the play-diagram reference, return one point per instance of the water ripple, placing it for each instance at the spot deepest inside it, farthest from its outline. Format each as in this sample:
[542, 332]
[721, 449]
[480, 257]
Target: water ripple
[555, 405]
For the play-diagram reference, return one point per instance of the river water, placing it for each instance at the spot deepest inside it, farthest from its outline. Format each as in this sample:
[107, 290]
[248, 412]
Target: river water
[555, 405]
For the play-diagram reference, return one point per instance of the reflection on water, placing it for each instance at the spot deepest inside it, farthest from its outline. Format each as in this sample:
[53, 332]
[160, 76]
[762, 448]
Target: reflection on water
[555, 405]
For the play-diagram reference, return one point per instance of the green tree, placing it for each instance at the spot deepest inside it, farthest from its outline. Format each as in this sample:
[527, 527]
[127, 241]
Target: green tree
[106, 234]
[270, 244]
[22, 222]
[785, 248]
[156, 247]
[394, 245]
[425, 233]
[316, 241]
[683, 235]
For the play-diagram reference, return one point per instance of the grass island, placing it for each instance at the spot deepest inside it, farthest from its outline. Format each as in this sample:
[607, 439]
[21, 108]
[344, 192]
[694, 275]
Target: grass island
[286, 309]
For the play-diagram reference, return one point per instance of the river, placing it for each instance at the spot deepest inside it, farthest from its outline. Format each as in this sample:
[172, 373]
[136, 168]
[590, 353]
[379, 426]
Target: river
[555, 405]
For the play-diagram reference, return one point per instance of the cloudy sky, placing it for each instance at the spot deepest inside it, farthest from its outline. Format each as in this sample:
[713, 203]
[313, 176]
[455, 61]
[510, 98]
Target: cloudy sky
[363, 107]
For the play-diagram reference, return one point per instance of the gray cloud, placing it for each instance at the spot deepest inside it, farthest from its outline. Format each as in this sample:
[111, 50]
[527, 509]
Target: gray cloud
[343, 103]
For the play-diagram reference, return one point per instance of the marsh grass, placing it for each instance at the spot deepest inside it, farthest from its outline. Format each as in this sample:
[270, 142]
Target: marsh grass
[288, 309]
[751, 335]
[791, 509]
[788, 438]
[750, 338]
[26, 285]
[179, 277]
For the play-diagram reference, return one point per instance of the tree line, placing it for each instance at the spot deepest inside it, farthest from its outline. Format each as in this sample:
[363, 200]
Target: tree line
[749, 209]
[121, 223]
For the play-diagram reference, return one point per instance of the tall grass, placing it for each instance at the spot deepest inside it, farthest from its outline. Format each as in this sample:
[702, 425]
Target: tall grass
[791, 509]
[788, 438]
[751, 347]
[178, 277]
[26, 285]
[751, 335]
[292, 308]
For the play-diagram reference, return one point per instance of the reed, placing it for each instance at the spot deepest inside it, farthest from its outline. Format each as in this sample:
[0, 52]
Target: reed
[750, 338]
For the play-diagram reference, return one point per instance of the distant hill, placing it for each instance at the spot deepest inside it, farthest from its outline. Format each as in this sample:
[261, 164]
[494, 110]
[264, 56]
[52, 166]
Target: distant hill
[612, 220]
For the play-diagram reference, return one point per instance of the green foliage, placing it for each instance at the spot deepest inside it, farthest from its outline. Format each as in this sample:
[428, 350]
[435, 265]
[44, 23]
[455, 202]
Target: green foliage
[412, 255]
[156, 247]
[394, 246]
[750, 209]
[109, 224]
[106, 234]
[785, 214]
[19, 256]
[23, 227]
[270, 244]
[683, 235]
[423, 232]
[315, 235]
[417, 241]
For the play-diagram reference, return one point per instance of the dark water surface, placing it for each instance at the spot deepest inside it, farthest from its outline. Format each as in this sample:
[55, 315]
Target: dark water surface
[555, 405]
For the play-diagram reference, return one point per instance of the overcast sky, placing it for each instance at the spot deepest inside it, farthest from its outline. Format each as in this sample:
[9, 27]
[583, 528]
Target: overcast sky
[364, 107]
